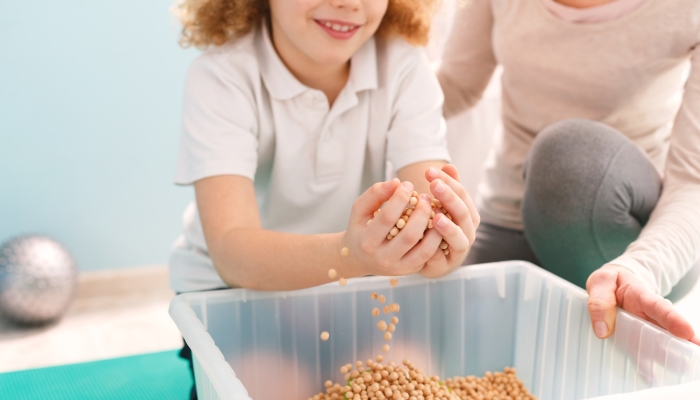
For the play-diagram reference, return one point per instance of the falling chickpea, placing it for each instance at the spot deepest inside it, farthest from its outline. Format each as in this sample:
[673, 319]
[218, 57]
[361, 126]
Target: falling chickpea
[332, 273]
[387, 335]
[344, 252]
[342, 281]
[375, 312]
[394, 320]
[385, 348]
[382, 325]
[385, 309]
[391, 328]
[394, 281]
[325, 335]
[381, 298]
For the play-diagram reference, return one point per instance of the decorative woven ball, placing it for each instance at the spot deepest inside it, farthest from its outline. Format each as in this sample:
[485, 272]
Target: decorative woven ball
[38, 279]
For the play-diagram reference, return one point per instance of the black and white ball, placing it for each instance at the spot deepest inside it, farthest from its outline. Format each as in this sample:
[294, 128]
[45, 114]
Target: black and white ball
[38, 279]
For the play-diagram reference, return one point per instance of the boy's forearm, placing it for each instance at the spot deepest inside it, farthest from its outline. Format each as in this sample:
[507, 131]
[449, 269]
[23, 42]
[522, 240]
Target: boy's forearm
[415, 173]
[260, 259]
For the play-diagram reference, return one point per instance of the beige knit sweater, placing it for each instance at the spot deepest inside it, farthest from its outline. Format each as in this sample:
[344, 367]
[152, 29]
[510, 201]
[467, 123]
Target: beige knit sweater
[628, 73]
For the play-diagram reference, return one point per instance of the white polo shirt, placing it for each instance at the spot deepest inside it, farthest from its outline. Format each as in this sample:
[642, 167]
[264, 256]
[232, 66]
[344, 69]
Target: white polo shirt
[245, 114]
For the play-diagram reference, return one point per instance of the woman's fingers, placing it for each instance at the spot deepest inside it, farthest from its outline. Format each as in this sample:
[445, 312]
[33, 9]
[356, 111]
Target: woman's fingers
[601, 286]
[662, 312]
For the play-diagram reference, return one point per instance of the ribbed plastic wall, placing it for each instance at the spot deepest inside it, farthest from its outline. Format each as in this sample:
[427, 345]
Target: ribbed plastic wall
[478, 319]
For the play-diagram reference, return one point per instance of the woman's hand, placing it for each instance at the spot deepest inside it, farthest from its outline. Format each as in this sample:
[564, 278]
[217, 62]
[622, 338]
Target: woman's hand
[460, 232]
[614, 285]
[370, 251]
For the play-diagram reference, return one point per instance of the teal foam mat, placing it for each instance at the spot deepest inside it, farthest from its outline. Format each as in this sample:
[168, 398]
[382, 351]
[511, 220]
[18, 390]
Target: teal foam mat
[160, 375]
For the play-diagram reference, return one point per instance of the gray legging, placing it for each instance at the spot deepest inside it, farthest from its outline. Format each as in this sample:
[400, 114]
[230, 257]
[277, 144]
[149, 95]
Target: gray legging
[588, 192]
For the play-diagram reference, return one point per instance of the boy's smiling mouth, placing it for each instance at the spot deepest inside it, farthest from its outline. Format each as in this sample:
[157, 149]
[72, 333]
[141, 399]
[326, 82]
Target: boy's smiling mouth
[338, 29]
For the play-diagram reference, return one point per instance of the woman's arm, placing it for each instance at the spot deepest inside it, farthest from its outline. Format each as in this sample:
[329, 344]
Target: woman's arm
[468, 61]
[669, 245]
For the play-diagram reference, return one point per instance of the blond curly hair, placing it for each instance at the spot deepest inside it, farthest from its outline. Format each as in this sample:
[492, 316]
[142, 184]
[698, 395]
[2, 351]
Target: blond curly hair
[213, 22]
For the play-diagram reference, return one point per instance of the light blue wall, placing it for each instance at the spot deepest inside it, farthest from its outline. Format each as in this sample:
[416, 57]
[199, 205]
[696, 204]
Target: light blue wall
[90, 97]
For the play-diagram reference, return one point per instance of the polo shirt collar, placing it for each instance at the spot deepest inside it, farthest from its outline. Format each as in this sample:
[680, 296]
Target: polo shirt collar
[283, 85]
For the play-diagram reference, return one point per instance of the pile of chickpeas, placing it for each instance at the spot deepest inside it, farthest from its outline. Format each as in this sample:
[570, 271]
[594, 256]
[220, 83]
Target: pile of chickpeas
[376, 381]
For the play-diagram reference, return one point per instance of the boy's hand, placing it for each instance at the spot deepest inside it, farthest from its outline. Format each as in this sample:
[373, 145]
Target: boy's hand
[370, 251]
[460, 232]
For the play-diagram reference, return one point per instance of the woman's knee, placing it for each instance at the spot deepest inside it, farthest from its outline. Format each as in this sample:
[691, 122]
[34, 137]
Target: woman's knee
[584, 181]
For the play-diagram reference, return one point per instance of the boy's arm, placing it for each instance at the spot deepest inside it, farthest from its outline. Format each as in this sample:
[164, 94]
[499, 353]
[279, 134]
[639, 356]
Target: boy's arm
[246, 255]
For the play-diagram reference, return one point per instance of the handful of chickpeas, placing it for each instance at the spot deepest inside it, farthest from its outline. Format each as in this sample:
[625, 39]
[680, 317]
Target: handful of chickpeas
[377, 381]
[401, 223]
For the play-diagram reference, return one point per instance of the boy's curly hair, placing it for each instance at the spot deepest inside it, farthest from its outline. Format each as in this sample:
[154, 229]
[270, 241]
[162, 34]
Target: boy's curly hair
[213, 22]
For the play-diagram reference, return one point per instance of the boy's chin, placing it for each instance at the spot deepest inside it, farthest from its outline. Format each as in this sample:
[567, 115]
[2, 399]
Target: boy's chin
[333, 58]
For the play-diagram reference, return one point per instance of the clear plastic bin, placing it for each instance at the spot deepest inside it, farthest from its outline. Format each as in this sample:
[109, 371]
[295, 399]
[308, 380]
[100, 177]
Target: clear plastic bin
[264, 345]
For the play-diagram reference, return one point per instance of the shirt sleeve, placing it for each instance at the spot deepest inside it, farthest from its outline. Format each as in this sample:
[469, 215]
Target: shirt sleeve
[468, 62]
[669, 245]
[417, 131]
[218, 124]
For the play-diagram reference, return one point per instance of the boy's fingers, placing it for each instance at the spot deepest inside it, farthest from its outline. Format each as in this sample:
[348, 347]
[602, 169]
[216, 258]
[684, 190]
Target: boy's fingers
[453, 182]
[390, 213]
[451, 170]
[423, 252]
[412, 232]
[364, 207]
[453, 234]
[601, 286]
[455, 206]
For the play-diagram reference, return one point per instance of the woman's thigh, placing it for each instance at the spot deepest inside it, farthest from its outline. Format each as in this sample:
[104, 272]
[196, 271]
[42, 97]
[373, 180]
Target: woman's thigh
[589, 191]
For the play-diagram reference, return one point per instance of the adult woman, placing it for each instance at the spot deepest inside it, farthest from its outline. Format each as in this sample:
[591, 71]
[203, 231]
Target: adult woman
[597, 176]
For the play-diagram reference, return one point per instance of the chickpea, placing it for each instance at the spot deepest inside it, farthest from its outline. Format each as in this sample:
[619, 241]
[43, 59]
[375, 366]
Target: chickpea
[394, 320]
[391, 328]
[325, 335]
[381, 298]
[386, 348]
[387, 335]
[401, 223]
[394, 281]
[382, 325]
[375, 312]
[332, 273]
[344, 252]
[342, 281]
